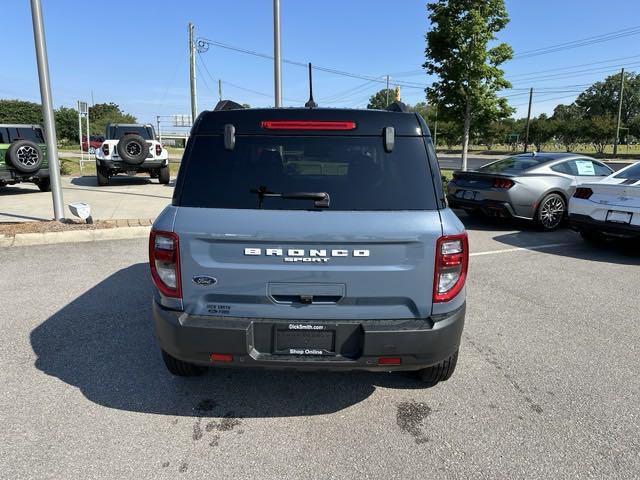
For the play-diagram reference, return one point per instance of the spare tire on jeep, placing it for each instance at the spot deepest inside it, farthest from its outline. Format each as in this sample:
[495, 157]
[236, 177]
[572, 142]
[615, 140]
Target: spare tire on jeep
[25, 156]
[133, 149]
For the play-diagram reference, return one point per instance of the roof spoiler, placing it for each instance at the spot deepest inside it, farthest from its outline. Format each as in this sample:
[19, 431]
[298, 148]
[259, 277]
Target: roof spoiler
[397, 106]
[227, 105]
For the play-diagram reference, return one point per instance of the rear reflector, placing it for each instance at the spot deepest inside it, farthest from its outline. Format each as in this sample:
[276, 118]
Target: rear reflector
[583, 192]
[306, 125]
[389, 361]
[221, 357]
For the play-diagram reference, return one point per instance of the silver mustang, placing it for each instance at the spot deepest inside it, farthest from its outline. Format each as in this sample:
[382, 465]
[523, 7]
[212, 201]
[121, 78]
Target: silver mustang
[532, 186]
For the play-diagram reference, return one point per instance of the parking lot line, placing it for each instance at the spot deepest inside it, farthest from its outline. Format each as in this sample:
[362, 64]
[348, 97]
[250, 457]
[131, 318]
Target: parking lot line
[519, 249]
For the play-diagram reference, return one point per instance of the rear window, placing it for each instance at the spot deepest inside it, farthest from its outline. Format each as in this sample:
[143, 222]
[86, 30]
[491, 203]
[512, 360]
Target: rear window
[25, 133]
[513, 164]
[356, 172]
[118, 132]
[631, 173]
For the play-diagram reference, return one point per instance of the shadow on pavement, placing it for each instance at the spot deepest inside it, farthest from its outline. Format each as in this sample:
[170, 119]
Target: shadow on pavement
[91, 181]
[19, 189]
[103, 343]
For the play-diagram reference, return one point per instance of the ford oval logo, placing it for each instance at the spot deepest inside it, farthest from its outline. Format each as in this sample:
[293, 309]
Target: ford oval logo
[204, 280]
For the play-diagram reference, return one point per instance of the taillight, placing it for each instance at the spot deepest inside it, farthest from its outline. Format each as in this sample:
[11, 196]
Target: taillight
[158, 149]
[164, 260]
[452, 263]
[307, 125]
[502, 183]
[583, 192]
[105, 148]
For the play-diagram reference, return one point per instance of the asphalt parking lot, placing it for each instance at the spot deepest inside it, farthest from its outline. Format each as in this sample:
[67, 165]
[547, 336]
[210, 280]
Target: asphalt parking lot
[546, 387]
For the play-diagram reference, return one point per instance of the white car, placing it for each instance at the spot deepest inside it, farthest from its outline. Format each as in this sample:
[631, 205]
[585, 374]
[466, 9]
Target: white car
[131, 149]
[610, 207]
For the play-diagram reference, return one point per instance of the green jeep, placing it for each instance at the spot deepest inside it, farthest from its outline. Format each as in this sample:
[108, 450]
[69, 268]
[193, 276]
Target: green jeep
[23, 156]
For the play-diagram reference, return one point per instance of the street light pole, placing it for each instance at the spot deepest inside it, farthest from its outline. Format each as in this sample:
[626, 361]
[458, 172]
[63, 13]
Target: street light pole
[47, 109]
[277, 67]
[526, 135]
[192, 74]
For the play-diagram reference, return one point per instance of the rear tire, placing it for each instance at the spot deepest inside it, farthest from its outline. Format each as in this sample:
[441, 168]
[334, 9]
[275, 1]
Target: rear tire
[103, 176]
[179, 368]
[44, 184]
[440, 371]
[164, 176]
[551, 212]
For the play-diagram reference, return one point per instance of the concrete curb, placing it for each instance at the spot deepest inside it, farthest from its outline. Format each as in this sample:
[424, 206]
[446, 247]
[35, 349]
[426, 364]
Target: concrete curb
[74, 236]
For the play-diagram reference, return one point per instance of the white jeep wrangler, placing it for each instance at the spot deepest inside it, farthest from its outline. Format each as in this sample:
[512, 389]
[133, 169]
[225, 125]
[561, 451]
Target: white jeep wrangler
[131, 149]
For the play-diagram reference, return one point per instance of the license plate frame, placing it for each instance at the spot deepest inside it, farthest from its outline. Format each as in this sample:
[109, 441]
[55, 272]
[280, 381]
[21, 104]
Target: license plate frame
[304, 339]
[617, 216]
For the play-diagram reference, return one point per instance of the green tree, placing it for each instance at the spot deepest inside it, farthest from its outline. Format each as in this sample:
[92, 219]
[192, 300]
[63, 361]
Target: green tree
[379, 99]
[569, 125]
[103, 113]
[601, 130]
[458, 52]
[448, 133]
[541, 131]
[492, 133]
[67, 124]
[602, 98]
[18, 111]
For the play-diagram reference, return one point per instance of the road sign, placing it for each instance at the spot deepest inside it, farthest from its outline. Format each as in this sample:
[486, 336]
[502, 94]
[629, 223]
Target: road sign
[83, 108]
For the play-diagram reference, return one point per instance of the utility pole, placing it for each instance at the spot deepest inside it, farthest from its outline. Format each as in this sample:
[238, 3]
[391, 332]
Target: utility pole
[526, 135]
[47, 109]
[617, 139]
[158, 128]
[387, 90]
[192, 73]
[435, 130]
[277, 65]
[220, 89]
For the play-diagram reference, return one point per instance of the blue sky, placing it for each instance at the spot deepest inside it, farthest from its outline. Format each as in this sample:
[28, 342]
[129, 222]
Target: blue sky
[134, 53]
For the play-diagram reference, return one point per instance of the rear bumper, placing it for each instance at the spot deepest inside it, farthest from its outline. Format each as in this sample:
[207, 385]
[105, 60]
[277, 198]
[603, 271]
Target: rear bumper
[584, 223]
[489, 207]
[13, 176]
[357, 343]
[120, 165]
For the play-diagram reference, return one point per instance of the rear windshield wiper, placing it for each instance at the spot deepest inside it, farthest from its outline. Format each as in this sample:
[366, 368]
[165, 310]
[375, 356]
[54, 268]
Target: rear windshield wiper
[321, 199]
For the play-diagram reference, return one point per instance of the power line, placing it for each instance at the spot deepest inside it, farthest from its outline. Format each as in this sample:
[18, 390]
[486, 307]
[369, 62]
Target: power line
[605, 37]
[204, 43]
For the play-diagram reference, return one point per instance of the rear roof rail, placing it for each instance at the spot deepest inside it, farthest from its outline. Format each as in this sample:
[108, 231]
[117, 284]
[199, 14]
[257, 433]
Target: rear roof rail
[227, 105]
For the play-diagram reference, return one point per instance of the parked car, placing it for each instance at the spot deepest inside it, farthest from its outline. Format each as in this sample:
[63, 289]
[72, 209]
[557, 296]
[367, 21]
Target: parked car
[531, 186]
[23, 156]
[610, 208]
[131, 149]
[317, 239]
[95, 142]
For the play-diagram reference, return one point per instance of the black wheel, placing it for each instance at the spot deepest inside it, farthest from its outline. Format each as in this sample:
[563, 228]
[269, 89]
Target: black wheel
[25, 156]
[44, 184]
[439, 372]
[133, 149]
[180, 368]
[551, 212]
[164, 176]
[103, 175]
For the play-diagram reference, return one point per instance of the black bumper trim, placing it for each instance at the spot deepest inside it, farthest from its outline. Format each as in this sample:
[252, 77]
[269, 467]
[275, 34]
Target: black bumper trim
[358, 343]
[584, 223]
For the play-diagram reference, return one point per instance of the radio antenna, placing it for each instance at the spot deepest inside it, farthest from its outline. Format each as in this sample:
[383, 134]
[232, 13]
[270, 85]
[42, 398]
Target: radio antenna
[310, 103]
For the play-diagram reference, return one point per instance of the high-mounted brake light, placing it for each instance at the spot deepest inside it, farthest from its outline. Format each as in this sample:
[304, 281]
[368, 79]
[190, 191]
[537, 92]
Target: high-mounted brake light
[105, 148]
[164, 260]
[502, 183]
[452, 263]
[583, 193]
[307, 125]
